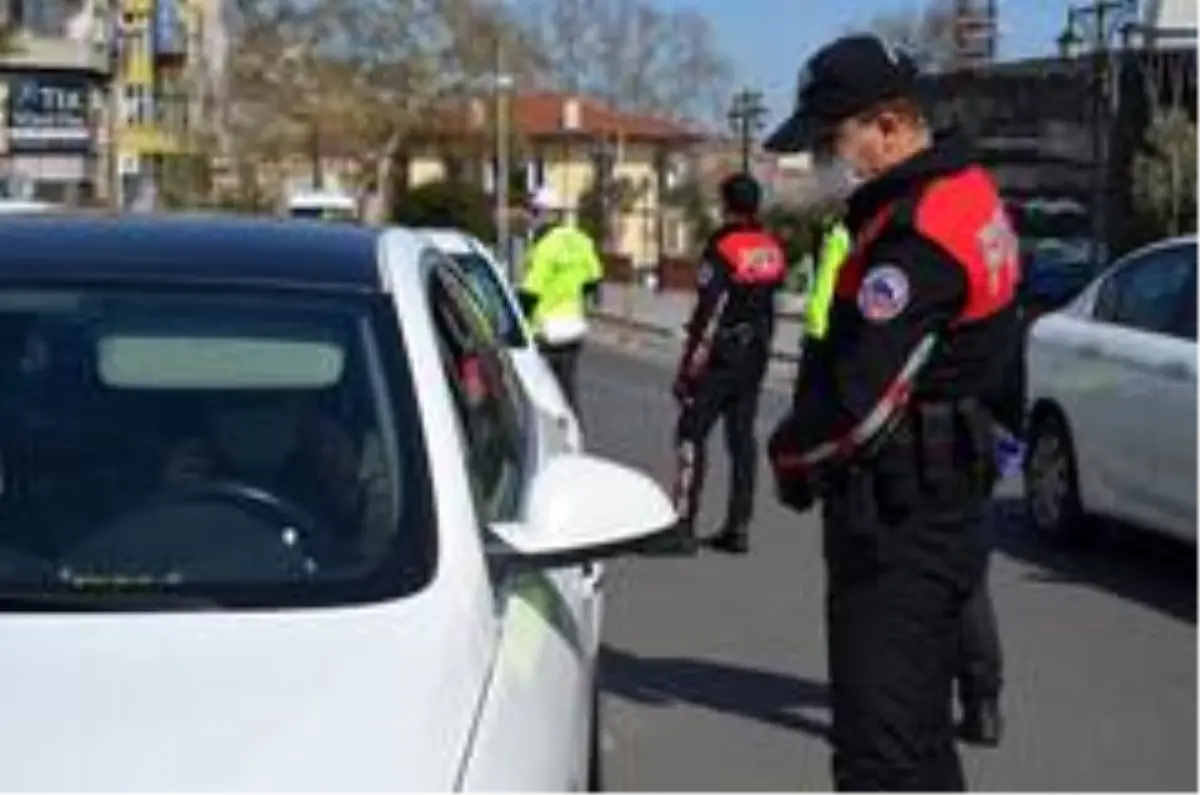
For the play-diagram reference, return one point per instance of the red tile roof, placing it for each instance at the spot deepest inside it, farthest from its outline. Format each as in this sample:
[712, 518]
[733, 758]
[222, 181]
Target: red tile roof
[542, 115]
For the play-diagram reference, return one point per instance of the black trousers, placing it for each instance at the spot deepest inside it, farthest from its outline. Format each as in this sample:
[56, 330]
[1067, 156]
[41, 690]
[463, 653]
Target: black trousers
[730, 395]
[900, 573]
[564, 361]
[980, 660]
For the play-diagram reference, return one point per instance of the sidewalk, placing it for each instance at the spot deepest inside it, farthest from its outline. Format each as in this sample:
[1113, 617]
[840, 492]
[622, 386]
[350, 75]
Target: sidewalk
[665, 313]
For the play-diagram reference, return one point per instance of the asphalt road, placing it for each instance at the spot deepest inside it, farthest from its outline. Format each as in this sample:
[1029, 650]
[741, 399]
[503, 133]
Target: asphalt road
[714, 671]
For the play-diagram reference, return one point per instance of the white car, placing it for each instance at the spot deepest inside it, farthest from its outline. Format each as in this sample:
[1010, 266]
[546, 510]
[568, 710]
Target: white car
[1112, 390]
[487, 275]
[276, 513]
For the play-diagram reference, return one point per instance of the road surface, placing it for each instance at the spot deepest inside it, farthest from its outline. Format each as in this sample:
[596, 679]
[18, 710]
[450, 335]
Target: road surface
[714, 671]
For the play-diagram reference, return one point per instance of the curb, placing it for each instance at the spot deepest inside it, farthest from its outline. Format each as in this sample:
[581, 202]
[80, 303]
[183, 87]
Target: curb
[663, 332]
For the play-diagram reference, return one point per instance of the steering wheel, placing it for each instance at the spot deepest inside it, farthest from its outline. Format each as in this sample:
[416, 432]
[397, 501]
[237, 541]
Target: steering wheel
[299, 528]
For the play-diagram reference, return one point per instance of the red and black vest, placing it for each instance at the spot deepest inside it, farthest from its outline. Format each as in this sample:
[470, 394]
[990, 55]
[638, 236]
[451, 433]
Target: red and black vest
[961, 212]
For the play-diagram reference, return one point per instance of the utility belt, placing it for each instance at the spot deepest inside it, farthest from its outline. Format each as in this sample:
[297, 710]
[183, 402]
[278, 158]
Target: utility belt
[739, 339]
[953, 439]
[937, 453]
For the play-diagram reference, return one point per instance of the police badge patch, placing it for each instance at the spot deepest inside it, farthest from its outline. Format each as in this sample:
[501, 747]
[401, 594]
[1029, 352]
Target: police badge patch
[884, 293]
[705, 274]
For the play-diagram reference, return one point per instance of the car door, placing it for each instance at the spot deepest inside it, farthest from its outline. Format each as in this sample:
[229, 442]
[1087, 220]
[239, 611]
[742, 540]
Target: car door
[535, 719]
[1176, 462]
[1151, 371]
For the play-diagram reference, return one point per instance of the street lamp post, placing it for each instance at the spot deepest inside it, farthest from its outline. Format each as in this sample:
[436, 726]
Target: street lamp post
[504, 84]
[746, 118]
[1095, 25]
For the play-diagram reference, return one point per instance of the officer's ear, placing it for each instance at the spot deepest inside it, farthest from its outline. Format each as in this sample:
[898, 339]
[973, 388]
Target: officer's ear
[898, 116]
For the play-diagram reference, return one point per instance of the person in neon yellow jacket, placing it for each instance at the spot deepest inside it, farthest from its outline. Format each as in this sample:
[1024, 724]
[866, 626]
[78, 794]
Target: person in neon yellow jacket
[562, 278]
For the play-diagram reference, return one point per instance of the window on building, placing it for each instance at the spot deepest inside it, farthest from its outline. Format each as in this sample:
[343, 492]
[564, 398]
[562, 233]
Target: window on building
[139, 105]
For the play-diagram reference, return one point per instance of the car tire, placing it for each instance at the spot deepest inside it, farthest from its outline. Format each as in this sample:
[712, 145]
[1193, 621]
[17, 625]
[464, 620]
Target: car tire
[595, 770]
[1052, 501]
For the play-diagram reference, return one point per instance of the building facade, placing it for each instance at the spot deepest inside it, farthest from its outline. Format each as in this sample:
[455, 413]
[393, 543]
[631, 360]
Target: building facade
[53, 115]
[169, 68]
[572, 146]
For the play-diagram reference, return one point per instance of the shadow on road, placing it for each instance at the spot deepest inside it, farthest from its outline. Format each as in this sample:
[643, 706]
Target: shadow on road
[760, 695]
[1132, 564]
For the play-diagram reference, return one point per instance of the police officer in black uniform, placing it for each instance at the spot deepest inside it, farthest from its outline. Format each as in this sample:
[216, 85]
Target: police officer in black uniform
[725, 359]
[892, 427]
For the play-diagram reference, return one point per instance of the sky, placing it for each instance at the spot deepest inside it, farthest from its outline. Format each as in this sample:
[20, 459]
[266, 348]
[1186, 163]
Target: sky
[768, 40]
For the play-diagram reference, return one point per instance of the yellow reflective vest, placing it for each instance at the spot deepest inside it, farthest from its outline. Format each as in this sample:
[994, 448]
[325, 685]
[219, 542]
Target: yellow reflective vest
[834, 250]
[558, 268]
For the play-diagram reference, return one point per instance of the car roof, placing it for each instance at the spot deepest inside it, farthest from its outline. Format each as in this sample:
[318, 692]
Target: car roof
[452, 241]
[181, 249]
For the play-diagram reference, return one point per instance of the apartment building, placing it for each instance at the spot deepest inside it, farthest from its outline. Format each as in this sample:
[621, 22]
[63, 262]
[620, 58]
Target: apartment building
[54, 75]
[169, 70]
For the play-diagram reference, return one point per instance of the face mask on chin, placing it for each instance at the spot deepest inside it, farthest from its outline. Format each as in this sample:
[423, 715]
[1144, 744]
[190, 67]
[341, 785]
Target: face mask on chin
[837, 179]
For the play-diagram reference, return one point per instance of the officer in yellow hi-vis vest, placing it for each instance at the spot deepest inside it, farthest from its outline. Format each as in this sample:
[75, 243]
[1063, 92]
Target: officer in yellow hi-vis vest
[562, 276]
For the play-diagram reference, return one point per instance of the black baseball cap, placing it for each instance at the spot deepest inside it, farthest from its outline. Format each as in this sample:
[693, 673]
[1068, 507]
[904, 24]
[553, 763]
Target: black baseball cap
[741, 193]
[845, 78]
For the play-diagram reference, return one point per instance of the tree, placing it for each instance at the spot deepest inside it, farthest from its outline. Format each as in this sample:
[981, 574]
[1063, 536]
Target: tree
[925, 33]
[449, 204]
[694, 203]
[363, 73]
[635, 56]
[1164, 174]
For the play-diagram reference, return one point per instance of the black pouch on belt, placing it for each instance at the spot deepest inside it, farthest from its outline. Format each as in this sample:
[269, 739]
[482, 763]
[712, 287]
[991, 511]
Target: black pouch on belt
[893, 468]
[937, 445]
[979, 431]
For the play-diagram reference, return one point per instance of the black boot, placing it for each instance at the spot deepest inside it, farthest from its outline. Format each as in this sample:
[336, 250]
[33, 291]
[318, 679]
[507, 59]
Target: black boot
[732, 540]
[982, 724]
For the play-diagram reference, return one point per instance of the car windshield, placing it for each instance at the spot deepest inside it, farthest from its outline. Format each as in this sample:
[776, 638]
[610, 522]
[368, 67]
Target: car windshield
[483, 281]
[228, 448]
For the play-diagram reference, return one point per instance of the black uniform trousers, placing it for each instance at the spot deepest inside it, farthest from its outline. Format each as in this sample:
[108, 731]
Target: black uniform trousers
[980, 660]
[902, 563]
[728, 393]
[564, 362]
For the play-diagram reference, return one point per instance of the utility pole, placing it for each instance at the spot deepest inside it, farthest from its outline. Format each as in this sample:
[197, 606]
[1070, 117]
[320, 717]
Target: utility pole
[746, 117]
[1094, 25]
[503, 86]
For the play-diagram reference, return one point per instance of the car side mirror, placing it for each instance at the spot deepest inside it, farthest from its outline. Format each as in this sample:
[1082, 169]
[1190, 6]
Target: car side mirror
[582, 508]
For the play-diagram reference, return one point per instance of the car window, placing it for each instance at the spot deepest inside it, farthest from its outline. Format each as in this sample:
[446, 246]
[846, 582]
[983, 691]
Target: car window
[491, 406]
[481, 277]
[1145, 293]
[241, 449]
[1184, 325]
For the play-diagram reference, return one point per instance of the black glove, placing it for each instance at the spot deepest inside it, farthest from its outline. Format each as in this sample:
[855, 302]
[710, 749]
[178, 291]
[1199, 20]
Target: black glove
[796, 493]
[794, 487]
[682, 388]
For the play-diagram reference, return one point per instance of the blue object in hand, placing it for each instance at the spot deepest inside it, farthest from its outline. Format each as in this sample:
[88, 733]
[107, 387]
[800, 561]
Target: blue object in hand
[1009, 452]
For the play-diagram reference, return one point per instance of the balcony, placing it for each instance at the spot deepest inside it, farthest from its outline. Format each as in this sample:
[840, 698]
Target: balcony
[41, 52]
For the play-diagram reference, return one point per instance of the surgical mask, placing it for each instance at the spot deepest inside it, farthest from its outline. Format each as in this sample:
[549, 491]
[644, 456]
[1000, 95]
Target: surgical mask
[837, 179]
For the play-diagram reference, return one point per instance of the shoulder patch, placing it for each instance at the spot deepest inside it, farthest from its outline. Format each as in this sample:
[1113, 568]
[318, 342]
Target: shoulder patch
[704, 275]
[884, 293]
